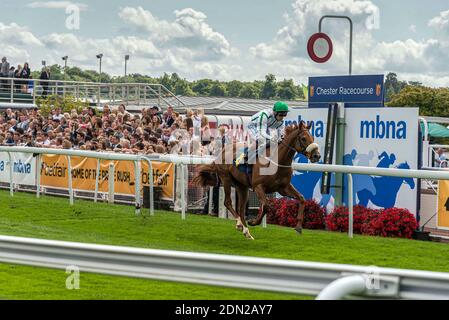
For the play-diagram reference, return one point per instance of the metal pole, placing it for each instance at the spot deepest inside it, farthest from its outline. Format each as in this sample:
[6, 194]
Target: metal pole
[339, 152]
[11, 179]
[111, 183]
[34, 91]
[183, 191]
[350, 34]
[38, 176]
[137, 178]
[126, 63]
[350, 206]
[339, 288]
[151, 181]
[69, 165]
[12, 91]
[97, 178]
[99, 78]
[211, 200]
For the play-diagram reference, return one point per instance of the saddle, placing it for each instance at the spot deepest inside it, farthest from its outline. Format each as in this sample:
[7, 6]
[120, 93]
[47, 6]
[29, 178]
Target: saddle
[242, 162]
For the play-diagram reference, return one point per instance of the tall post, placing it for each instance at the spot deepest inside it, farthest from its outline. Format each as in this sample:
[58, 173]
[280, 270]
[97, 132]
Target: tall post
[69, 173]
[65, 58]
[100, 57]
[350, 34]
[350, 206]
[340, 143]
[11, 179]
[340, 152]
[126, 66]
[137, 178]
[111, 175]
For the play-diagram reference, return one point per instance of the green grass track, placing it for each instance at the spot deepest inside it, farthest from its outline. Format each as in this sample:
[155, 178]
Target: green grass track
[52, 218]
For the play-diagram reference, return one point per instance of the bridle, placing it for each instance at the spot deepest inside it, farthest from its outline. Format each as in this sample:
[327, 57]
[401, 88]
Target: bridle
[307, 149]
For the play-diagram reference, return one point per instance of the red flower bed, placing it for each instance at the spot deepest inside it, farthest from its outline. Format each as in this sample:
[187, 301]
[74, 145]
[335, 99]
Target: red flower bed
[284, 212]
[338, 219]
[393, 222]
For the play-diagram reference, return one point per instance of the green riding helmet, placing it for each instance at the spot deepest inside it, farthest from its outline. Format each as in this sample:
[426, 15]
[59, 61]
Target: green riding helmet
[280, 107]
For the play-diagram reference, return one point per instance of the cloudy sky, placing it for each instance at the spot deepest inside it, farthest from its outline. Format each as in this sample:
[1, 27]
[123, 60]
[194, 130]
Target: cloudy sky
[232, 39]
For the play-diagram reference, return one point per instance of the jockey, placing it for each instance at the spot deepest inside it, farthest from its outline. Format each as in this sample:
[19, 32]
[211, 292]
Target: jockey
[261, 126]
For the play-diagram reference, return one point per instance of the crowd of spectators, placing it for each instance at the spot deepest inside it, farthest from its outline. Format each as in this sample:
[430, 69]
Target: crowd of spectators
[113, 129]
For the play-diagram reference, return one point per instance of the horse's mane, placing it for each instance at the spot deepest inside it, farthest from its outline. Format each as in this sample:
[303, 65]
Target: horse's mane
[290, 128]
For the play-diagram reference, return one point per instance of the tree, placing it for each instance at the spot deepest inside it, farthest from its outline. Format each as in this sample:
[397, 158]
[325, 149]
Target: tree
[287, 90]
[234, 87]
[430, 101]
[166, 82]
[393, 85]
[217, 90]
[249, 91]
[182, 88]
[270, 87]
[202, 87]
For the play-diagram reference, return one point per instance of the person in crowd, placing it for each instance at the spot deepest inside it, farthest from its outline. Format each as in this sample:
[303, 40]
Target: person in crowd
[4, 72]
[18, 75]
[26, 75]
[441, 160]
[45, 76]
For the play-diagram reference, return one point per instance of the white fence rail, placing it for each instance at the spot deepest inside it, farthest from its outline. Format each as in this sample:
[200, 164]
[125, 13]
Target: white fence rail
[328, 281]
[185, 160]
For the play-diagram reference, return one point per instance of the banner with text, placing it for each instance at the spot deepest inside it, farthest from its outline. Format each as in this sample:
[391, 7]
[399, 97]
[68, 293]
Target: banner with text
[24, 168]
[54, 173]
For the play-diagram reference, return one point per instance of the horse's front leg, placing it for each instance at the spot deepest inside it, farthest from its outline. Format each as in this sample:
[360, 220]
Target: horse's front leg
[264, 202]
[290, 191]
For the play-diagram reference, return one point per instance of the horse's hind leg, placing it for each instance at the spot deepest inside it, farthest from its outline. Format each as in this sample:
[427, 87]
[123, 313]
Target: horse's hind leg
[228, 203]
[264, 201]
[243, 199]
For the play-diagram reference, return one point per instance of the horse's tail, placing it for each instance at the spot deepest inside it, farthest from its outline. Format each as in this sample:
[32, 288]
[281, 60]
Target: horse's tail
[207, 176]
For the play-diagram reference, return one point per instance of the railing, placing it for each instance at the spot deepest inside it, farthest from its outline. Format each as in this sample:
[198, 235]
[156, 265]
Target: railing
[185, 160]
[27, 91]
[327, 280]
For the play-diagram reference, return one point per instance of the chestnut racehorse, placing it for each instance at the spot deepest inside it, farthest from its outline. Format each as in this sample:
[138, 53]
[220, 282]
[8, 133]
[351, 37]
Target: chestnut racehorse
[297, 139]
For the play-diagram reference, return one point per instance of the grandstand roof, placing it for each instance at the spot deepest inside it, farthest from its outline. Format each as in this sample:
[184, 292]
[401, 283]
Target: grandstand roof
[222, 105]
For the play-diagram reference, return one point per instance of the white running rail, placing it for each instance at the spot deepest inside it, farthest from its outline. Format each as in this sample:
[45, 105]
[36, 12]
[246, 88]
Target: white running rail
[327, 280]
[185, 160]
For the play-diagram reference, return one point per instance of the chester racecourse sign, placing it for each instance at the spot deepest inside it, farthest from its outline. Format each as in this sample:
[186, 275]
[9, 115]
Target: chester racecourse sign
[355, 91]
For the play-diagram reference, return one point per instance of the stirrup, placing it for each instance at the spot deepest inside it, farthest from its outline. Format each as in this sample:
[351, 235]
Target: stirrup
[239, 159]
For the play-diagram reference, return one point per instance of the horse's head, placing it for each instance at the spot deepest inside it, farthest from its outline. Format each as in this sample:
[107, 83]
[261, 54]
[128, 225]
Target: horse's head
[304, 142]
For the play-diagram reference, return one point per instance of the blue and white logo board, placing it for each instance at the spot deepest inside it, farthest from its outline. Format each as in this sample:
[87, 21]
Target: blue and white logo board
[24, 168]
[374, 137]
[355, 91]
[383, 138]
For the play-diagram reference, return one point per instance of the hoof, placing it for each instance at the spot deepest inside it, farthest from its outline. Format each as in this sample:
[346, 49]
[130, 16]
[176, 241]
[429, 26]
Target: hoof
[252, 223]
[298, 230]
[239, 227]
[248, 235]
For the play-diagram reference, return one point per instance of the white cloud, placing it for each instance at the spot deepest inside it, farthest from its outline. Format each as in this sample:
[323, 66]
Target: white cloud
[286, 53]
[56, 5]
[190, 46]
[412, 28]
[440, 22]
[189, 31]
